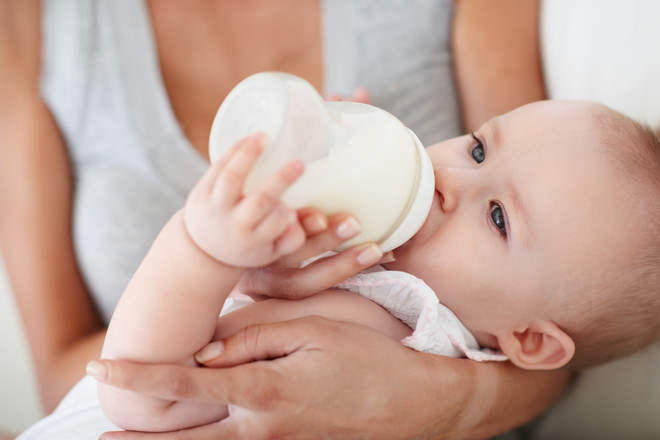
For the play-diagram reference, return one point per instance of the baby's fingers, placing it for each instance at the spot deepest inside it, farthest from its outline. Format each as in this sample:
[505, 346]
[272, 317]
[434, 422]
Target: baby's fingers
[281, 228]
[207, 181]
[292, 239]
[228, 187]
[259, 204]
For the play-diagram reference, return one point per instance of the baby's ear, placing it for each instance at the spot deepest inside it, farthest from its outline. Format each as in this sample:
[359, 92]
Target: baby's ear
[540, 346]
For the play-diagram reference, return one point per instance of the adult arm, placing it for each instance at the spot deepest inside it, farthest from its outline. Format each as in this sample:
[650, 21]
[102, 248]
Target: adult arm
[36, 187]
[495, 45]
[339, 380]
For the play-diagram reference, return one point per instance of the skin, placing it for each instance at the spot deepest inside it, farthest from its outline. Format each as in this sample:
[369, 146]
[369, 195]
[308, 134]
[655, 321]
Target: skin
[35, 184]
[511, 28]
[64, 330]
[511, 203]
[477, 397]
[165, 316]
[61, 322]
[545, 176]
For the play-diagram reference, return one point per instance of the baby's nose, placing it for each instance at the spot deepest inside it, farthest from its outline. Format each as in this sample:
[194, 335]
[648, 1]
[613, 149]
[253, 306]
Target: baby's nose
[454, 185]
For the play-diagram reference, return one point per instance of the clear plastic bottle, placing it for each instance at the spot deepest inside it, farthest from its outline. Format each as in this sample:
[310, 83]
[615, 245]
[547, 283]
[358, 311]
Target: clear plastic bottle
[358, 158]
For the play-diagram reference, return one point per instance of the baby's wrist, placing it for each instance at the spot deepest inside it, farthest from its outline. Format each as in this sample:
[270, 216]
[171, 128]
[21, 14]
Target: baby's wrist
[199, 249]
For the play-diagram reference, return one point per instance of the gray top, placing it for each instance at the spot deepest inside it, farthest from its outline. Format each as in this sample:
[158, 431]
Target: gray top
[133, 166]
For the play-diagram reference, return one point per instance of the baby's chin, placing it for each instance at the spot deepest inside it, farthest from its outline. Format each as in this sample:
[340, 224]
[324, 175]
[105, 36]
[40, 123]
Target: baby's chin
[404, 254]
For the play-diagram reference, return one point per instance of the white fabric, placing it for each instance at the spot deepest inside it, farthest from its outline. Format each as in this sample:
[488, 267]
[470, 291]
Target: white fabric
[78, 417]
[435, 328]
[131, 160]
[606, 51]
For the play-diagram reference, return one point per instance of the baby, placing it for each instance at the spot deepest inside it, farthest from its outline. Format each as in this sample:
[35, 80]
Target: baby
[543, 239]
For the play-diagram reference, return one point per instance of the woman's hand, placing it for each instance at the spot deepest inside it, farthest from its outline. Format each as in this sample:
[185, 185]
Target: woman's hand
[285, 278]
[317, 378]
[308, 378]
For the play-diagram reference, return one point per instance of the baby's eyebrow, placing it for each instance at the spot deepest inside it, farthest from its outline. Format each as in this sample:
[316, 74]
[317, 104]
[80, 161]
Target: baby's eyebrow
[493, 141]
[521, 214]
[492, 126]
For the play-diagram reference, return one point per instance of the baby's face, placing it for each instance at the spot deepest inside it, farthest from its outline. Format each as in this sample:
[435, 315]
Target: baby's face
[529, 205]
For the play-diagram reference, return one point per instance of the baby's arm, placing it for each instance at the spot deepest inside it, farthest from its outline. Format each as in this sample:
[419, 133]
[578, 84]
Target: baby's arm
[170, 308]
[338, 305]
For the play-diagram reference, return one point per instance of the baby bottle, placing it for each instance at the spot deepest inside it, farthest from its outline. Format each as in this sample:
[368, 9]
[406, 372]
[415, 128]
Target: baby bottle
[358, 159]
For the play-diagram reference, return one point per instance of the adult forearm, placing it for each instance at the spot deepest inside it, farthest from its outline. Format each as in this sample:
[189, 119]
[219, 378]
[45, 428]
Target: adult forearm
[344, 381]
[66, 368]
[495, 47]
[35, 194]
[502, 397]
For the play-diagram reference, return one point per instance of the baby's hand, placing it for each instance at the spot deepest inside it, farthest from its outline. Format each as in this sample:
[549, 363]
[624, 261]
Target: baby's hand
[250, 230]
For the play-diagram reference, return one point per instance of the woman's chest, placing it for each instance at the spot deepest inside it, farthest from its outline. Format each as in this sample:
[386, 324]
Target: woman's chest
[207, 50]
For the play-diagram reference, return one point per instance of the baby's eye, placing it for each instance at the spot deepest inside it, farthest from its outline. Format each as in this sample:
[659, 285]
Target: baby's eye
[498, 219]
[478, 153]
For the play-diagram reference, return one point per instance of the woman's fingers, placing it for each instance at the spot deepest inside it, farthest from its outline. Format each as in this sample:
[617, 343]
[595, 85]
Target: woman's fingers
[322, 274]
[257, 342]
[177, 382]
[247, 384]
[171, 382]
[360, 94]
[312, 220]
[340, 227]
[213, 431]
[292, 379]
[239, 386]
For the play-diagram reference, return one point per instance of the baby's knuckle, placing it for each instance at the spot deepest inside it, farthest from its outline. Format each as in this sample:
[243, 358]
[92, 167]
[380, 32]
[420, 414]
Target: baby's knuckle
[264, 200]
[230, 176]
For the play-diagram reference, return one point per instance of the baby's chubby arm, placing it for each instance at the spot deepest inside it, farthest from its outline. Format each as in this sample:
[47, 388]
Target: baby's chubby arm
[338, 305]
[170, 308]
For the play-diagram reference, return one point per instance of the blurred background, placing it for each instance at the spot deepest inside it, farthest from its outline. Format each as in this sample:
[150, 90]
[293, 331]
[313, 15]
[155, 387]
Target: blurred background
[16, 375]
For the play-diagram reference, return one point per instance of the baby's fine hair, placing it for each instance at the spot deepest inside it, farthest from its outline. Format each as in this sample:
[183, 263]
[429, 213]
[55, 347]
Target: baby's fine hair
[626, 316]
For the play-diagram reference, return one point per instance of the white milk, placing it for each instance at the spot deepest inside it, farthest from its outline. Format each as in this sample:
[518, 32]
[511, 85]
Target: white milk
[373, 178]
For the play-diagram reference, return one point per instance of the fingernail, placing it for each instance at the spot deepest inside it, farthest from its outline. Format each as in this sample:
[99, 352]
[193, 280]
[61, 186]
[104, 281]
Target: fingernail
[348, 228]
[361, 94]
[210, 352]
[315, 224]
[97, 370]
[293, 217]
[262, 139]
[387, 257]
[370, 255]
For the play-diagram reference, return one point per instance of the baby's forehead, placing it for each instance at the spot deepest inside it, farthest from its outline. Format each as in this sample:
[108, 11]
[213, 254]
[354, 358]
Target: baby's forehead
[564, 116]
[571, 129]
[580, 196]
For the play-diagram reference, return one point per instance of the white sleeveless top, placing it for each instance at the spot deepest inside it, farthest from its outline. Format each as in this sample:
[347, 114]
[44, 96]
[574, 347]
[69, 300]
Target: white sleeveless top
[133, 166]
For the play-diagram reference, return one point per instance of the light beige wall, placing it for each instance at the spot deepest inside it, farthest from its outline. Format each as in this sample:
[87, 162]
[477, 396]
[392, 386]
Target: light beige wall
[19, 406]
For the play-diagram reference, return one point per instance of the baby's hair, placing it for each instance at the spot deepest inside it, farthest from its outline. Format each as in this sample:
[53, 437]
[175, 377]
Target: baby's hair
[627, 316]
